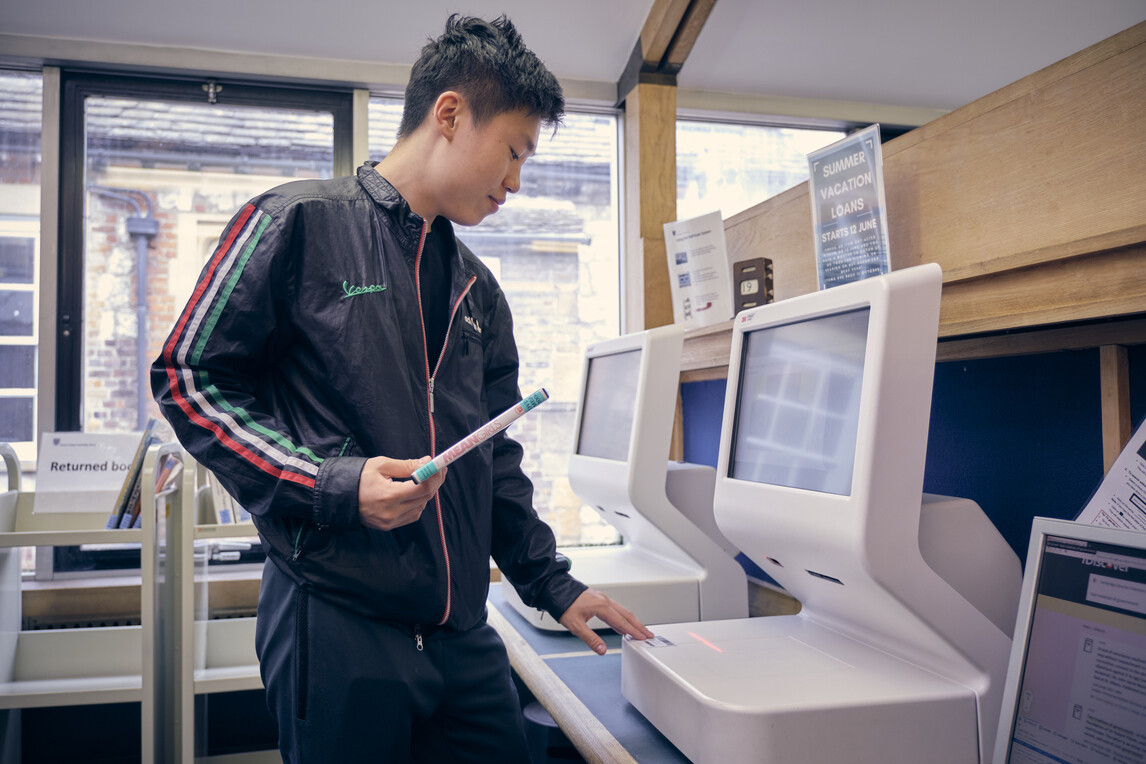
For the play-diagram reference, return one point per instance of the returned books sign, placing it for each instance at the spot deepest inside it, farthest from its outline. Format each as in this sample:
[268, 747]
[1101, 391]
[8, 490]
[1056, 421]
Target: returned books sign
[82, 472]
[848, 212]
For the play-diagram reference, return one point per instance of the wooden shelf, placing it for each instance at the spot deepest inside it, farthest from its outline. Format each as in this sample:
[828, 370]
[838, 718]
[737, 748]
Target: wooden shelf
[706, 351]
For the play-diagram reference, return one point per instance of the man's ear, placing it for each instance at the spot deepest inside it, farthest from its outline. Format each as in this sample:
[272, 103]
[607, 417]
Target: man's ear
[446, 113]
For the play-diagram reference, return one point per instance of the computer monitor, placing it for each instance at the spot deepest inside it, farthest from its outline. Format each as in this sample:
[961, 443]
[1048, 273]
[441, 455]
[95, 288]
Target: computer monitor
[608, 405]
[819, 480]
[797, 412]
[673, 564]
[1076, 683]
[620, 462]
[822, 451]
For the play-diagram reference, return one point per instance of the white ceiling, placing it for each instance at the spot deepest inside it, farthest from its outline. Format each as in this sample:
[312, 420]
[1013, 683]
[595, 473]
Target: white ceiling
[908, 53]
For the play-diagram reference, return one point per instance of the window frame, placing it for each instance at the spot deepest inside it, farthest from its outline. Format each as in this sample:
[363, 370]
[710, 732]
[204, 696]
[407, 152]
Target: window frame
[75, 87]
[20, 227]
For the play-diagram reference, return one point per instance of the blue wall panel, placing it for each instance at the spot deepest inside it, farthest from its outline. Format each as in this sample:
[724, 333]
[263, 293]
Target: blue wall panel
[1021, 436]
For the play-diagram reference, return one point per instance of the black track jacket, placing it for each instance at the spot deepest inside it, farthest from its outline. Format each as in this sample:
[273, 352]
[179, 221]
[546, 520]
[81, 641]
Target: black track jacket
[301, 353]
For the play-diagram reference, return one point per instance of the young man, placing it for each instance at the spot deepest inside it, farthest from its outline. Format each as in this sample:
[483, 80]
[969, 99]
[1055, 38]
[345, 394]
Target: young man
[338, 336]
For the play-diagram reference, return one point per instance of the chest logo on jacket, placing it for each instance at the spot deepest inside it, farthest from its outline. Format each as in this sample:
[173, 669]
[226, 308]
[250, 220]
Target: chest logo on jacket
[353, 291]
[474, 323]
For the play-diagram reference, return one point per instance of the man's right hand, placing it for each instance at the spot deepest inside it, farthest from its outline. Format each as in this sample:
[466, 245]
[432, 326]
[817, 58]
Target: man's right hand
[386, 499]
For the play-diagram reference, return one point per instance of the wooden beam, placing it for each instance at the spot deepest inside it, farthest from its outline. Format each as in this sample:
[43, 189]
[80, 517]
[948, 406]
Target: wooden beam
[687, 33]
[650, 185]
[1114, 376]
[647, 88]
[660, 28]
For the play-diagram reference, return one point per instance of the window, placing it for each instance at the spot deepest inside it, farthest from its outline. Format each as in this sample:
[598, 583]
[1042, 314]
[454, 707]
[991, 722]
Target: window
[153, 169]
[554, 248]
[20, 129]
[730, 166]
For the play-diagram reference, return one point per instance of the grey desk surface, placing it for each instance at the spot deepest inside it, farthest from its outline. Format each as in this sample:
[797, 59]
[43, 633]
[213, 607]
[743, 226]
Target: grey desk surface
[596, 681]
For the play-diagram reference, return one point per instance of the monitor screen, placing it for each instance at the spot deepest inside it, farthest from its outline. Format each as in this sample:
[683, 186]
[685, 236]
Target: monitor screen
[798, 403]
[1081, 696]
[608, 405]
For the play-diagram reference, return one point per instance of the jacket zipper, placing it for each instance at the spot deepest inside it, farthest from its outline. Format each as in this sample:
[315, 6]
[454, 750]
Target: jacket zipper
[297, 545]
[430, 377]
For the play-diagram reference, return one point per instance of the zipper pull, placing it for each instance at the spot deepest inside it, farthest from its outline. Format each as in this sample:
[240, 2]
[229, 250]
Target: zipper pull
[418, 637]
[298, 544]
[431, 395]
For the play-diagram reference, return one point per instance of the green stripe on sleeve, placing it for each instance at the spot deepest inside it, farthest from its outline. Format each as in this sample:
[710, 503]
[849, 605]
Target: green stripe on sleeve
[238, 412]
[229, 287]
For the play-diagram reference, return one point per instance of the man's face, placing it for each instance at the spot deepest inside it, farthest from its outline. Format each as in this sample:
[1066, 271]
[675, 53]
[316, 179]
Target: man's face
[485, 164]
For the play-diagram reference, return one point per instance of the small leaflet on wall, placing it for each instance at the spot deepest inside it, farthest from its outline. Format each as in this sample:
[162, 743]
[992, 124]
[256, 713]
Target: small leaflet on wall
[82, 472]
[849, 218]
[699, 274]
[1120, 501]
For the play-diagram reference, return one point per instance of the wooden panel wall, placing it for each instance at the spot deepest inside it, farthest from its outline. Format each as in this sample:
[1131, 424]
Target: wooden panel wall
[1033, 199]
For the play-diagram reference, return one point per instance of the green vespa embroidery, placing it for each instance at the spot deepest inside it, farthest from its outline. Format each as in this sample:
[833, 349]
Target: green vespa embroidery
[354, 291]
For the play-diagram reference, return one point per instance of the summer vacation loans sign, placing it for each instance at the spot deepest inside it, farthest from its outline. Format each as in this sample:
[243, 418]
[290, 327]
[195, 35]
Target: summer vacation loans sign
[849, 218]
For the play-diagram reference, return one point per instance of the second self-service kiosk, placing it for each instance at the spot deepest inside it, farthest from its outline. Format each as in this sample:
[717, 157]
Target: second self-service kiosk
[673, 564]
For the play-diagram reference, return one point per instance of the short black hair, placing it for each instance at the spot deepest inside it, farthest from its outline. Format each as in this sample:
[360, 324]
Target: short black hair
[488, 64]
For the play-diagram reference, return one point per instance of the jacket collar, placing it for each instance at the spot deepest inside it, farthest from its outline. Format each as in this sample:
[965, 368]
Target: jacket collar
[407, 224]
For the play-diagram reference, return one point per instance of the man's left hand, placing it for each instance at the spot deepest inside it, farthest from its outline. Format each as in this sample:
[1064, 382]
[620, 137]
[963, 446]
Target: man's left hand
[594, 603]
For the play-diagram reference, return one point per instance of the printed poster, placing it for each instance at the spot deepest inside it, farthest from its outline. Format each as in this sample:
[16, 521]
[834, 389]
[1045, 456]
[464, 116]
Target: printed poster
[849, 218]
[699, 273]
[1120, 501]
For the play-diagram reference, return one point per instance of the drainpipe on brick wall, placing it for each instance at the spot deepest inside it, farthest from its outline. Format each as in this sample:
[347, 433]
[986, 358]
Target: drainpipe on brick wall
[142, 228]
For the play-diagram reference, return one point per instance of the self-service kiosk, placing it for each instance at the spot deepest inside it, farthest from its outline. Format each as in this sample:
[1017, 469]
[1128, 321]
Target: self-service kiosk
[900, 650]
[674, 564]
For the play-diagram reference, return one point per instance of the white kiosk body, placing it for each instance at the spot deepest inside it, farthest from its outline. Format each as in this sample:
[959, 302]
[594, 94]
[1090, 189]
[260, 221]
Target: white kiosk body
[667, 569]
[900, 650]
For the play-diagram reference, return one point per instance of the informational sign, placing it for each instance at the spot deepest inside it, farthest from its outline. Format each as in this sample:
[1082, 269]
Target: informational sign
[1120, 500]
[849, 218]
[699, 273]
[82, 472]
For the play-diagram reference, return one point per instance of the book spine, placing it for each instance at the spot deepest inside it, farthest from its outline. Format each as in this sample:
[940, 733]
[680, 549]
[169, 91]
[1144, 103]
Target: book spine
[123, 501]
[133, 504]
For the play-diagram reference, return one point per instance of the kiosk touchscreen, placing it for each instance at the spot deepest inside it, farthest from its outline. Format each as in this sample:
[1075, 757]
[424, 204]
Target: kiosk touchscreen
[900, 649]
[1076, 686]
[673, 564]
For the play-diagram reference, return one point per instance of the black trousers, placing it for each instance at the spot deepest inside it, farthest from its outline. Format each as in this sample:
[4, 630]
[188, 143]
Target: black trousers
[347, 689]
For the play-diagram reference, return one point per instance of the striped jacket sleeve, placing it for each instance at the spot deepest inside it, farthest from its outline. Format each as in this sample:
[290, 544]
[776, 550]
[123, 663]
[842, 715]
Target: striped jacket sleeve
[206, 377]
